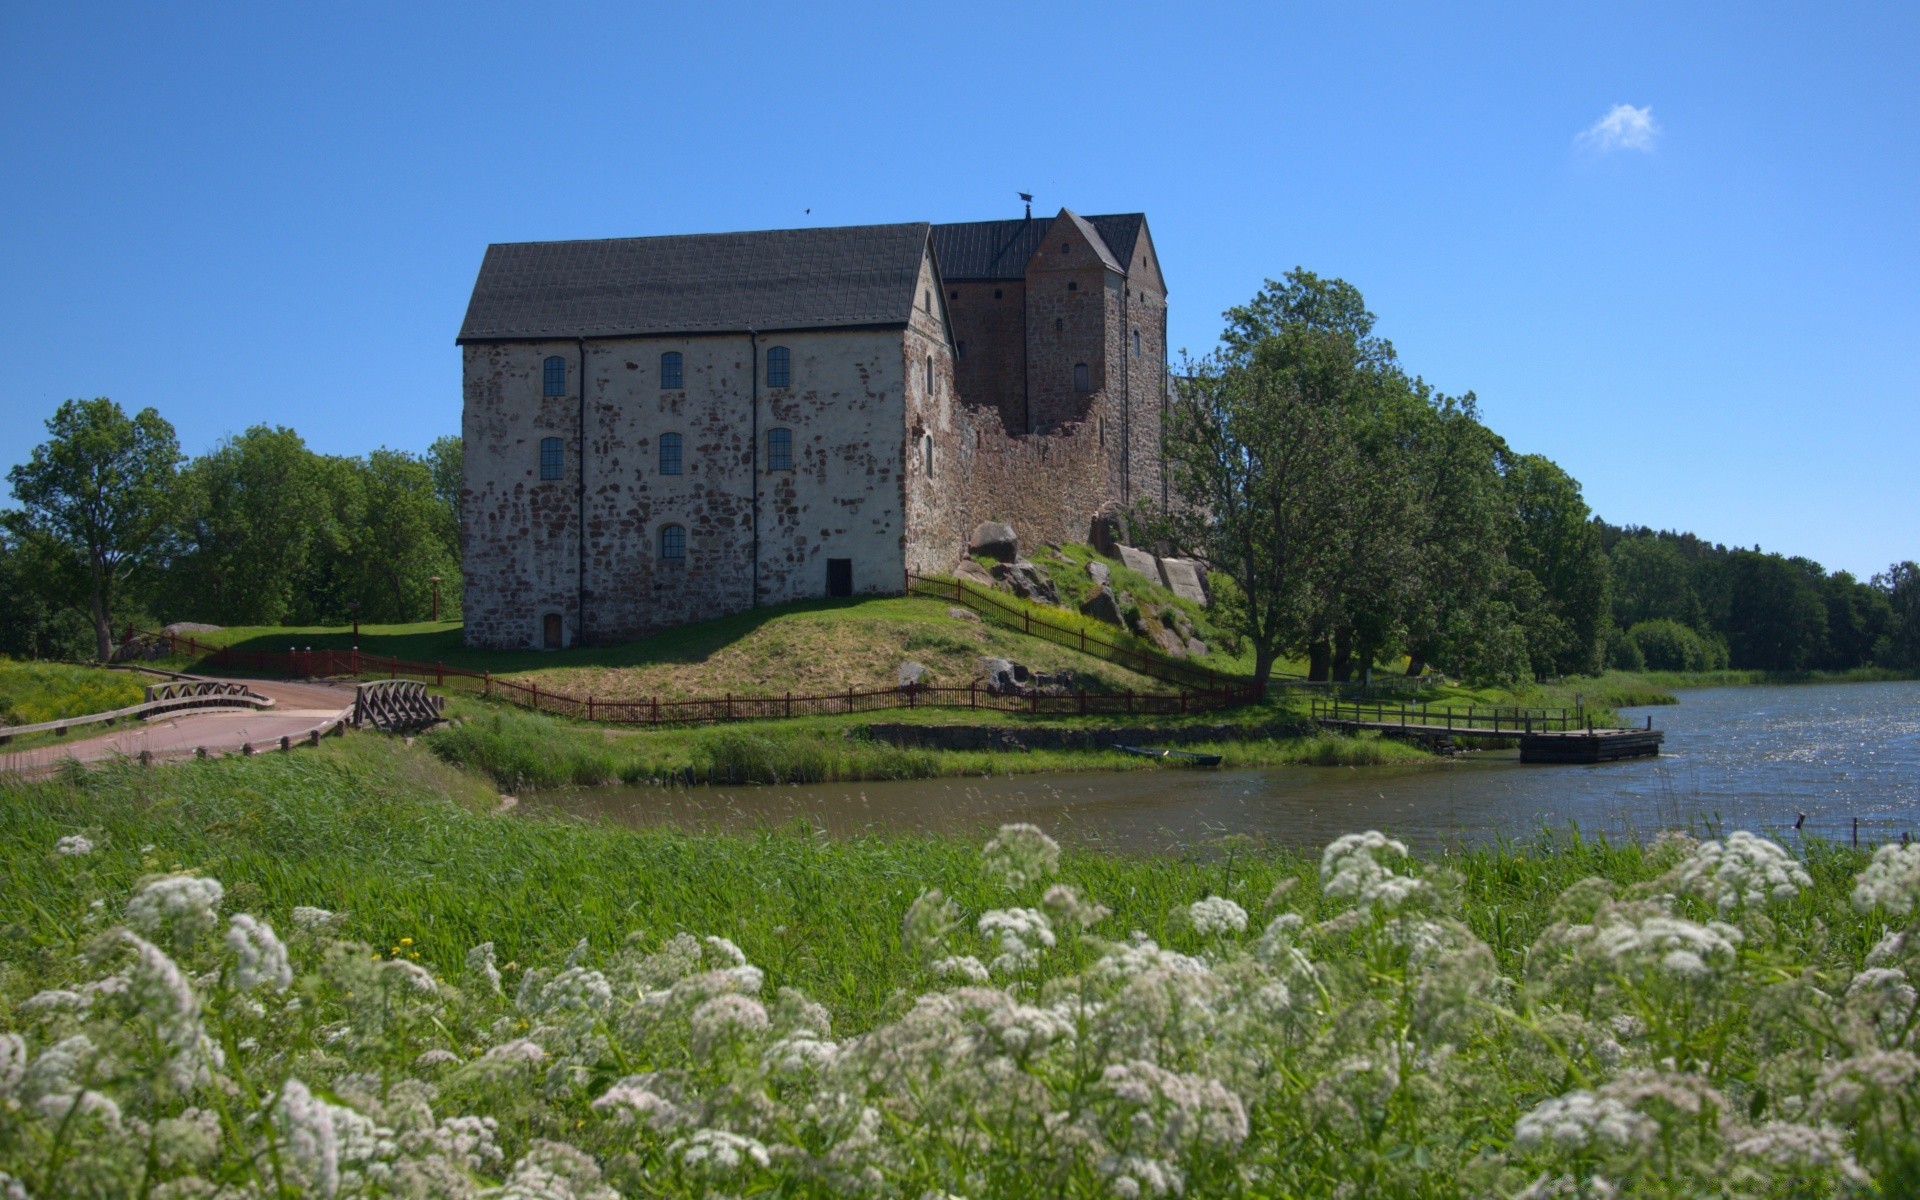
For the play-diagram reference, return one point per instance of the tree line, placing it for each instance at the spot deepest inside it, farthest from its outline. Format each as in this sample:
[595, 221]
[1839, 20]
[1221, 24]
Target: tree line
[1353, 514]
[113, 525]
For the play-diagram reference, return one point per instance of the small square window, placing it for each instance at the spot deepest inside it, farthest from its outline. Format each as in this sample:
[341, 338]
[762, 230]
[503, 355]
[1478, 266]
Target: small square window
[996, 293]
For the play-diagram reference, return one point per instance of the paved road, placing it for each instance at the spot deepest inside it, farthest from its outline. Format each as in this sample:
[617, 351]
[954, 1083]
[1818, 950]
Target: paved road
[298, 708]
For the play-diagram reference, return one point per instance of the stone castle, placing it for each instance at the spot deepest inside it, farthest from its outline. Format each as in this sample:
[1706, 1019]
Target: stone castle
[665, 429]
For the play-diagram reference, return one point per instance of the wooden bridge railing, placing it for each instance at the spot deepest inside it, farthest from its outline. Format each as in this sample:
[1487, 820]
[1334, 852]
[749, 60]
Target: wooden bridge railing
[1496, 719]
[161, 698]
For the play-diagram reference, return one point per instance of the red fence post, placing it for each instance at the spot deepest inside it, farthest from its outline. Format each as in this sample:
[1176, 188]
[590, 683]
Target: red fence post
[849, 700]
[973, 693]
[536, 696]
[729, 706]
[486, 683]
[439, 674]
[789, 704]
[656, 710]
[589, 707]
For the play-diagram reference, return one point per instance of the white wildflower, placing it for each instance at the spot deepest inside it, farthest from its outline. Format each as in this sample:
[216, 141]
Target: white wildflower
[1134, 1175]
[1579, 1121]
[1177, 1108]
[1216, 915]
[56, 1108]
[1350, 867]
[520, 1050]
[1851, 1087]
[409, 975]
[307, 917]
[1891, 882]
[631, 1101]
[804, 1050]
[1069, 907]
[180, 908]
[1680, 947]
[1141, 956]
[1022, 932]
[164, 996]
[719, 1151]
[1021, 854]
[575, 989]
[260, 955]
[480, 962]
[962, 966]
[56, 1000]
[726, 1018]
[57, 1068]
[435, 1058]
[929, 922]
[191, 1138]
[1744, 870]
[1800, 1147]
[554, 1171]
[472, 1143]
[74, 845]
[13, 1063]
[728, 953]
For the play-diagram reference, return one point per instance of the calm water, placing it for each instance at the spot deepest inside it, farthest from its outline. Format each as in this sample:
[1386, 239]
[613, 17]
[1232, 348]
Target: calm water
[1750, 757]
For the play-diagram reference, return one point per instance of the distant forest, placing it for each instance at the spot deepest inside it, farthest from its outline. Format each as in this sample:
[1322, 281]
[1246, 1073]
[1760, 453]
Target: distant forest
[114, 527]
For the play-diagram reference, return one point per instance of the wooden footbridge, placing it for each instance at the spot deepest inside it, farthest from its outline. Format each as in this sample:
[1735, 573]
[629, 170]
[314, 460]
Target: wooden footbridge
[1546, 735]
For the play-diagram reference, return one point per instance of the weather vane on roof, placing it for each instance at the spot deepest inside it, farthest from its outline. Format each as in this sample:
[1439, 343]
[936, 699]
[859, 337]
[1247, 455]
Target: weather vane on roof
[1028, 197]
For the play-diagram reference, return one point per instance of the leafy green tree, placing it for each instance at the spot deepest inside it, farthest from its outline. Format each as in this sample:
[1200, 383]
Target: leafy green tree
[1260, 465]
[1777, 619]
[1667, 645]
[1900, 584]
[445, 459]
[246, 523]
[1556, 542]
[94, 499]
[1859, 623]
[1652, 581]
[405, 538]
[32, 626]
[1460, 615]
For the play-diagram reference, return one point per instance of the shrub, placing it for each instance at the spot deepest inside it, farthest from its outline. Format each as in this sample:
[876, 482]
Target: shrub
[520, 750]
[1667, 645]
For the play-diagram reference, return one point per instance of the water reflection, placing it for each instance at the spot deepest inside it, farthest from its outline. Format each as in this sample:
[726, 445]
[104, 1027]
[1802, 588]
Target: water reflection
[1736, 757]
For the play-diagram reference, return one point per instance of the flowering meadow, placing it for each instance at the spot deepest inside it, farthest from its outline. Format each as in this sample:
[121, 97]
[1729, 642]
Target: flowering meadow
[1697, 1017]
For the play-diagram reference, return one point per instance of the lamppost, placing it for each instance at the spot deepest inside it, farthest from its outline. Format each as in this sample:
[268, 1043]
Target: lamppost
[436, 596]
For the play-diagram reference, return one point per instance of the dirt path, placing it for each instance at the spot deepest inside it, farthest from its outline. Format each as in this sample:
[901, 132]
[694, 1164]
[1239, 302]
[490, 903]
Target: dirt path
[298, 709]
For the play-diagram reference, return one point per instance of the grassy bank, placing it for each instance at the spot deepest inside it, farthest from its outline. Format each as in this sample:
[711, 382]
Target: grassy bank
[519, 749]
[1255, 1022]
[32, 692]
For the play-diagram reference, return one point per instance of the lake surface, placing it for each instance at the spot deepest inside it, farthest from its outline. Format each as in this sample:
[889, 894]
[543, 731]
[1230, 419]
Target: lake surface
[1735, 758]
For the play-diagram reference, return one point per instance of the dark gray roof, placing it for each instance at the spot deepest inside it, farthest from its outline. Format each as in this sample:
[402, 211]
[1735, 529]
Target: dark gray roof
[698, 283]
[1000, 249]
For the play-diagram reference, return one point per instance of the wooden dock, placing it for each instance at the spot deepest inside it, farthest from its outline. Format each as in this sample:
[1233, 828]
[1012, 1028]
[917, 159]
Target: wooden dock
[1545, 735]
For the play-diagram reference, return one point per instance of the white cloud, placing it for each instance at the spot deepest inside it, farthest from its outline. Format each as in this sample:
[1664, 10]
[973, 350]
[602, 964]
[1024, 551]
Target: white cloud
[1623, 128]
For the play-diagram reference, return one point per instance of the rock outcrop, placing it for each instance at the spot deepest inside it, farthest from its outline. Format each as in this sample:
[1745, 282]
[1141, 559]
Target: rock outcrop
[995, 539]
[1103, 605]
[1026, 581]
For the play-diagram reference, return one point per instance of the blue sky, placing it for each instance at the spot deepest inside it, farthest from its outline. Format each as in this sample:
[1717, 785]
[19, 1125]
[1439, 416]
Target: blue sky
[273, 213]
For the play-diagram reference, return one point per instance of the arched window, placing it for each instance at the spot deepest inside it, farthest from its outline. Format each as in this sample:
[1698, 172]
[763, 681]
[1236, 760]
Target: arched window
[779, 449]
[673, 543]
[554, 377]
[669, 454]
[1082, 378]
[670, 377]
[553, 458]
[779, 367]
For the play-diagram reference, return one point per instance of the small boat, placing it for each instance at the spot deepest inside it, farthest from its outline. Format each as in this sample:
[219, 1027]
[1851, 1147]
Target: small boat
[1188, 757]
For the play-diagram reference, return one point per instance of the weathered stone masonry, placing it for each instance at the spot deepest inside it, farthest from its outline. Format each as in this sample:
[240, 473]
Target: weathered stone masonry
[899, 448]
